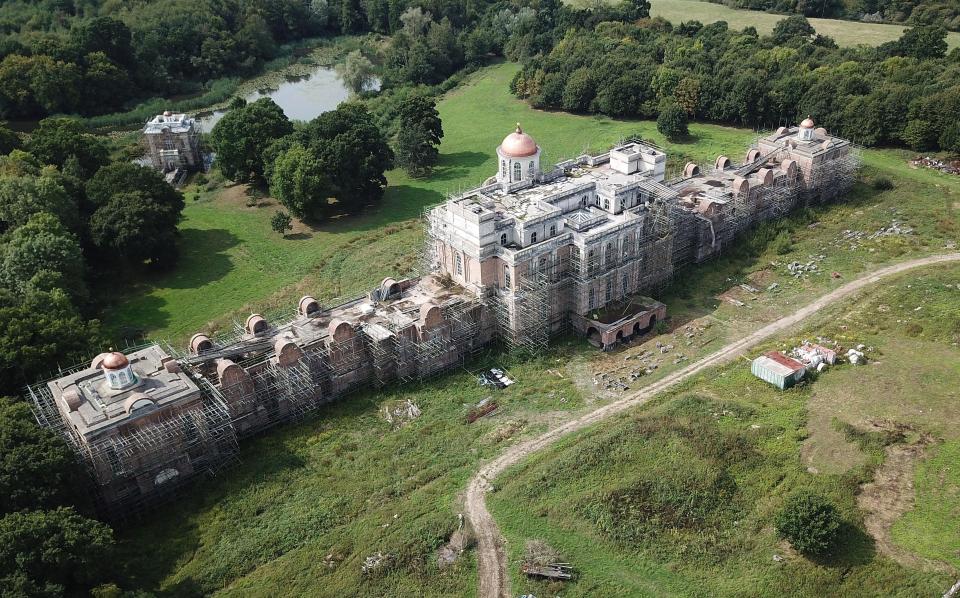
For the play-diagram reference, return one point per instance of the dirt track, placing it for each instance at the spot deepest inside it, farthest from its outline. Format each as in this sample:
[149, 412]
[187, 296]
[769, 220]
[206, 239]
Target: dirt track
[491, 555]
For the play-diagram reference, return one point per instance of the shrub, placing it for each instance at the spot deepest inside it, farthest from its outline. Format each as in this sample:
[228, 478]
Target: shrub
[809, 522]
[782, 243]
[882, 183]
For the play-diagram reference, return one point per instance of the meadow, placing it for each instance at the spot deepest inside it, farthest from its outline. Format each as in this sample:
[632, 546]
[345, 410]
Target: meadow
[845, 33]
[307, 504]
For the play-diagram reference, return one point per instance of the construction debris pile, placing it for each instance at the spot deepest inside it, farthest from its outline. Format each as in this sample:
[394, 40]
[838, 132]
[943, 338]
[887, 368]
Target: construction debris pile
[945, 166]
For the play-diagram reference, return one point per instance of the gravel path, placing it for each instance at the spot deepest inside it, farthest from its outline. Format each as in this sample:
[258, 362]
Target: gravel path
[491, 554]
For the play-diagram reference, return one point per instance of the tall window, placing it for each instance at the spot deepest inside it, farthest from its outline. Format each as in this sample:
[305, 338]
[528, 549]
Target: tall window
[533, 237]
[609, 254]
[553, 230]
[609, 293]
[543, 264]
[459, 265]
[606, 204]
[530, 170]
[593, 298]
[503, 168]
[517, 171]
[503, 239]
[506, 277]
[626, 286]
[583, 201]
[591, 263]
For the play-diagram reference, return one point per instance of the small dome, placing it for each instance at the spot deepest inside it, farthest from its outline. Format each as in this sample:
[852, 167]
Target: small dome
[807, 123]
[518, 144]
[114, 361]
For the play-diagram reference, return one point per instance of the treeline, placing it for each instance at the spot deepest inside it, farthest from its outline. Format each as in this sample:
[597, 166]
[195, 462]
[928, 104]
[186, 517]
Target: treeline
[903, 92]
[943, 13]
[68, 218]
[64, 56]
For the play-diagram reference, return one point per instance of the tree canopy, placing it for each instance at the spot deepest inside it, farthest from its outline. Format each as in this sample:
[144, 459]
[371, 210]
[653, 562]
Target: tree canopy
[418, 135]
[241, 136]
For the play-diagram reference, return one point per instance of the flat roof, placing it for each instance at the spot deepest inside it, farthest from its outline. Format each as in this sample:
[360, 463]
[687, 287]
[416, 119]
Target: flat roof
[102, 408]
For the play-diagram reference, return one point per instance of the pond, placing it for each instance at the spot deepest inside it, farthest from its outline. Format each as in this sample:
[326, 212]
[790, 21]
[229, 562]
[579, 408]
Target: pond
[301, 98]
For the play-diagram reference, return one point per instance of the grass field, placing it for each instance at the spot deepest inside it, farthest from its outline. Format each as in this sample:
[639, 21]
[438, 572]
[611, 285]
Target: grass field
[845, 33]
[678, 498]
[308, 503]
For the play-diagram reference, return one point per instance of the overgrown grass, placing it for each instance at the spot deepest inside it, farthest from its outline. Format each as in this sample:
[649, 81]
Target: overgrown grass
[678, 498]
[308, 503]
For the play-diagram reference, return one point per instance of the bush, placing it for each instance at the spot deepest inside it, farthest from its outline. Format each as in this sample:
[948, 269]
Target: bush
[809, 522]
[882, 183]
[782, 243]
[672, 122]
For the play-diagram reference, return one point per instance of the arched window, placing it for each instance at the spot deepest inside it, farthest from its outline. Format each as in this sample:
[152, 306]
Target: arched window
[553, 230]
[533, 237]
[517, 171]
[503, 239]
[503, 168]
[530, 170]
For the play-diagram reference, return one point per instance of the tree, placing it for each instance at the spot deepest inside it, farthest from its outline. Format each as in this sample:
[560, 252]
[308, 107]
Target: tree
[281, 223]
[352, 153]
[23, 196]
[923, 43]
[106, 35]
[809, 522]
[579, 90]
[672, 121]
[633, 10]
[55, 140]
[42, 245]
[356, 71]
[919, 134]
[56, 551]
[40, 330]
[121, 177]
[133, 228]
[9, 140]
[37, 468]
[418, 136]
[299, 183]
[240, 137]
[793, 27]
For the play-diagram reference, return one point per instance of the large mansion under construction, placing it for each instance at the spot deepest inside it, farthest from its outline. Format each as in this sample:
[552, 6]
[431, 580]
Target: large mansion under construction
[528, 254]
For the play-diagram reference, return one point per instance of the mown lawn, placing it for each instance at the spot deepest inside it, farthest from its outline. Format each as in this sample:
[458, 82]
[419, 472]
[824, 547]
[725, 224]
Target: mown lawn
[678, 498]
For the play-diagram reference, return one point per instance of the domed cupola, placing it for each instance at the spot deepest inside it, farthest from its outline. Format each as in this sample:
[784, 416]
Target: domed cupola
[805, 133]
[116, 367]
[519, 157]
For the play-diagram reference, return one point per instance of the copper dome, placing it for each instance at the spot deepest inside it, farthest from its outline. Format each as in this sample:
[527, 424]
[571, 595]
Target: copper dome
[114, 361]
[518, 144]
[807, 123]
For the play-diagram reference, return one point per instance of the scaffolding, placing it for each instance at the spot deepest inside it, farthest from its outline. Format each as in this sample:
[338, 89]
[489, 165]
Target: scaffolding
[142, 465]
[522, 314]
[827, 183]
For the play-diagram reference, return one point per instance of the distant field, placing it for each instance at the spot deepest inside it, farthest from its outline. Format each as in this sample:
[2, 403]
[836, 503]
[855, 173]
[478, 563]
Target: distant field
[846, 33]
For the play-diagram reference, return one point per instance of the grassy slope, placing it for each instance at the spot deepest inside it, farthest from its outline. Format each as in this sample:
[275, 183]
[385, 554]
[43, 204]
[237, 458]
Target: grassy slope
[845, 33]
[233, 263]
[727, 422]
[301, 493]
